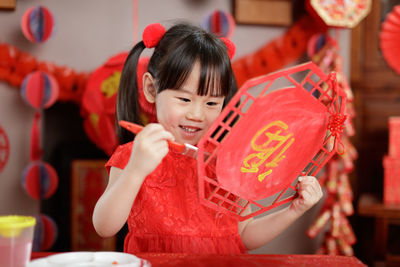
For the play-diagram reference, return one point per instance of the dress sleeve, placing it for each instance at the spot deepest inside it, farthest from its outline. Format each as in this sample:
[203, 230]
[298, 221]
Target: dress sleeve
[120, 157]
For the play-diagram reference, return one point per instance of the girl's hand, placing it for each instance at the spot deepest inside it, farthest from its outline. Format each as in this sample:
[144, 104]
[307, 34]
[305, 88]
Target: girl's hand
[309, 193]
[149, 148]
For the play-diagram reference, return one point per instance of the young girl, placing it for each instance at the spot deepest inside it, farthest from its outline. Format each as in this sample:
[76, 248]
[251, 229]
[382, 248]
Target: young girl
[154, 189]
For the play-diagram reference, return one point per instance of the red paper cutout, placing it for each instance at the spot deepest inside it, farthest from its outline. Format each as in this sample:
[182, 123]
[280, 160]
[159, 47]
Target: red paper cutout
[266, 152]
[230, 192]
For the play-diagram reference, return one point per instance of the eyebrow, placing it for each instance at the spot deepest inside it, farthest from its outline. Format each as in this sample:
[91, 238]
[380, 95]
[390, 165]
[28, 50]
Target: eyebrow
[186, 90]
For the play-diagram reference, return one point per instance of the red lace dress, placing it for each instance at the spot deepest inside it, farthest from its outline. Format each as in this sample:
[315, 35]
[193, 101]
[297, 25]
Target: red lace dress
[167, 215]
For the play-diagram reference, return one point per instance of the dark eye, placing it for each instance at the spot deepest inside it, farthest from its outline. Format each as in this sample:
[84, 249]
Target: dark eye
[184, 99]
[212, 103]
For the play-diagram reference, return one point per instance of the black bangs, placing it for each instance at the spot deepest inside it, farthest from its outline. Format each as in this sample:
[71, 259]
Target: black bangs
[215, 78]
[210, 52]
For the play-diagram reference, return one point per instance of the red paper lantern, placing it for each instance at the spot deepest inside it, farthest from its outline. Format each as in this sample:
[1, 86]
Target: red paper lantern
[98, 103]
[40, 180]
[99, 99]
[46, 232]
[339, 13]
[39, 89]
[4, 149]
[37, 24]
[220, 23]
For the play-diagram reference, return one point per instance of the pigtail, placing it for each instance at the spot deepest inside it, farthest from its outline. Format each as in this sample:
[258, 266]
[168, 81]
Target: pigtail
[127, 107]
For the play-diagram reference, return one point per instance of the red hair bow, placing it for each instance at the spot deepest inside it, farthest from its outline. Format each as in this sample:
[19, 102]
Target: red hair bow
[152, 34]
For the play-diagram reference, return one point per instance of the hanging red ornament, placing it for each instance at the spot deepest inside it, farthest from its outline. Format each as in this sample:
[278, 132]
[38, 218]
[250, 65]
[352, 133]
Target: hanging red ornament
[98, 103]
[40, 89]
[37, 24]
[46, 232]
[220, 23]
[339, 13]
[4, 148]
[40, 180]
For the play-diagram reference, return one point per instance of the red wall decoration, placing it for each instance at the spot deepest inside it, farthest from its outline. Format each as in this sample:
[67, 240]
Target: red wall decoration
[4, 149]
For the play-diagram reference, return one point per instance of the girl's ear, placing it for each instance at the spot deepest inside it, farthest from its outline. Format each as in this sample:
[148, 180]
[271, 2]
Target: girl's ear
[149, 88]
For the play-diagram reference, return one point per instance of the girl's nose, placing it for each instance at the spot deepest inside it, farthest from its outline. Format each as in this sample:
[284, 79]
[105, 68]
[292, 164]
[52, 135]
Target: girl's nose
[196, 112]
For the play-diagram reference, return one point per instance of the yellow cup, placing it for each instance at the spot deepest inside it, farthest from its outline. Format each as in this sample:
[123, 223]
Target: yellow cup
[16, 236]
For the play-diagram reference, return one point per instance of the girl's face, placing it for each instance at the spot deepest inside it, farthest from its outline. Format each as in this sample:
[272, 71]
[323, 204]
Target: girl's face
[186, 114]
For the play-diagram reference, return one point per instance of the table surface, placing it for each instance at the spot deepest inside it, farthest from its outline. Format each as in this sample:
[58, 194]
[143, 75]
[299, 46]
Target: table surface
[246, 260]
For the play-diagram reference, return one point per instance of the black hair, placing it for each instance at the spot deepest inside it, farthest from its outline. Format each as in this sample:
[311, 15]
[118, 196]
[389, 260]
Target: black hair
[170, 65]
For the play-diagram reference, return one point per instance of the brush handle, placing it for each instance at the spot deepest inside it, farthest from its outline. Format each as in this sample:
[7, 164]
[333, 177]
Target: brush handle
[136, 128]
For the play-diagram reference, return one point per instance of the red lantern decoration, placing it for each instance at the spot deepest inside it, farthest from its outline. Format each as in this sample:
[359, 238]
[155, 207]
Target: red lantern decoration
[39, 180]
[40, 90]
[37, 24]
[4, 149]
[46, 233]
[220, 23]
[98, 103]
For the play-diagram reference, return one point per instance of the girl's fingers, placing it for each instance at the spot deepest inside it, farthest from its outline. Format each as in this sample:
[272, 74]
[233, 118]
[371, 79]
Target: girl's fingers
[310, 189]
[157, 132]
[153, 133]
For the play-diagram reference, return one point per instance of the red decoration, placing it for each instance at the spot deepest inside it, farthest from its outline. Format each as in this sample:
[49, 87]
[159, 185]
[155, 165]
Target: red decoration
[394, 137]
[46, 233]
[88, 181]
[391, 182]
[220, 23]
[278, 119]
[339, 236]
[230, 46]
[152, 34]
[277, 53]
[40, 89]
[37, 24]
[339, 13]
[98, 103]
[268, 147]
[15, 65]
[391, 164]
[39, 180]
[389, 39]
[4, 149]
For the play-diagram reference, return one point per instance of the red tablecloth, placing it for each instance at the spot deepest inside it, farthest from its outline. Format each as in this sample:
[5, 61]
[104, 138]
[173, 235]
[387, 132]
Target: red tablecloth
[248, 260]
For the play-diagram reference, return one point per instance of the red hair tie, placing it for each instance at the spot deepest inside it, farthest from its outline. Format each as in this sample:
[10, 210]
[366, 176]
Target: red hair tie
[152, 34]
[230, 46]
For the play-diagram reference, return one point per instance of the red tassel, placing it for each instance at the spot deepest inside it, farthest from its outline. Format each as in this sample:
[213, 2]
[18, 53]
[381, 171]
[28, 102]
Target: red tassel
[36, 150]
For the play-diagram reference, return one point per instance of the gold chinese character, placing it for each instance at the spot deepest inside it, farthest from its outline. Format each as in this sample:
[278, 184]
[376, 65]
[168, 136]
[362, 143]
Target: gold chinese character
[109, 86]
[275, 140]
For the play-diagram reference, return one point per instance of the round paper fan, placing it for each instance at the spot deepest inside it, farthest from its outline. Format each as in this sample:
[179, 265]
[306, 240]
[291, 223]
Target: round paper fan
[389, 39]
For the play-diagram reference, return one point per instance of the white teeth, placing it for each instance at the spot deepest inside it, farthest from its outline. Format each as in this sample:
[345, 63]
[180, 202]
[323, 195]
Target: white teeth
[190, 130]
